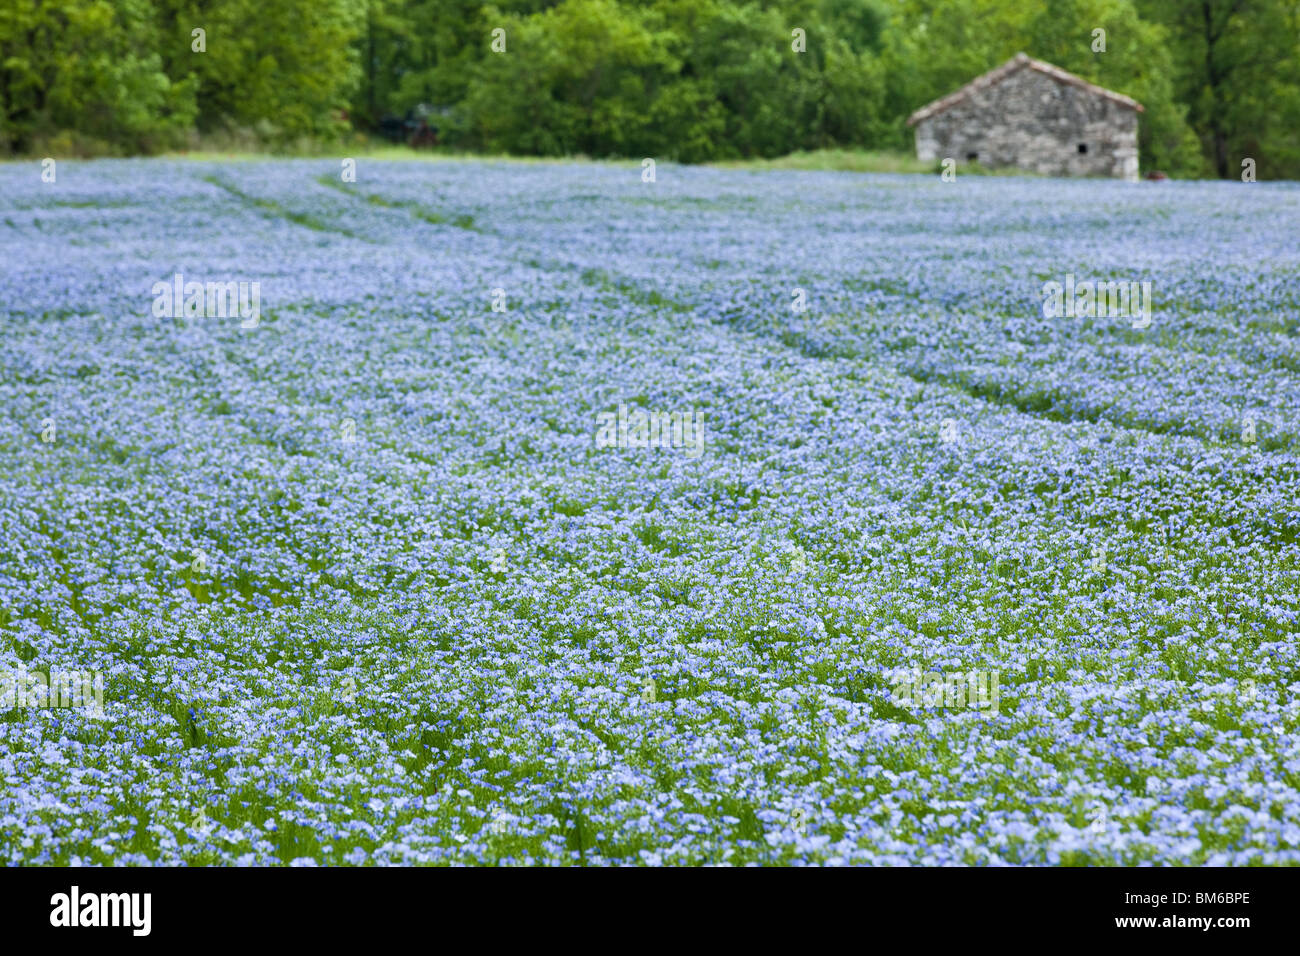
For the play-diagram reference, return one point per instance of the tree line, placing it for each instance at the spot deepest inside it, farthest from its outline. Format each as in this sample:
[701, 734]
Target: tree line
[687, 80]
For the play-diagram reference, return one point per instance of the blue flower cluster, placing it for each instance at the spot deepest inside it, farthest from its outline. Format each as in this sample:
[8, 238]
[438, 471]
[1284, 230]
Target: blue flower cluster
[363, 588]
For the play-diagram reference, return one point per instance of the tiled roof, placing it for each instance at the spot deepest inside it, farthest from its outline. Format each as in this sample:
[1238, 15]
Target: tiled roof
[1019, 61]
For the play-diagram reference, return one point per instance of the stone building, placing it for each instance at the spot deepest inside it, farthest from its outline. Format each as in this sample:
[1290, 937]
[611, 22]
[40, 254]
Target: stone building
[1036, 116]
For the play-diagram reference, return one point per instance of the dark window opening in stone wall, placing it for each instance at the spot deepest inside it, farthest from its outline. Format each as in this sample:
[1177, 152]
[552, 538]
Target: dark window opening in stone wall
[971, 157]
[1083, 147]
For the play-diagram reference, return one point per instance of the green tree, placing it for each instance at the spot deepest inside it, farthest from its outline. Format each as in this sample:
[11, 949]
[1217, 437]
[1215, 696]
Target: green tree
[580, 77]
[1238, 71]
[86, 74]
[289, 67]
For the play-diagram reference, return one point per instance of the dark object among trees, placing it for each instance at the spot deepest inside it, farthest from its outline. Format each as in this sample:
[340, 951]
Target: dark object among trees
[413, 130]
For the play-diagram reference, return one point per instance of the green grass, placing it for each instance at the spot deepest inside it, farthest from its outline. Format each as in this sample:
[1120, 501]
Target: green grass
[386, 152]
[820, 160]
[862, 161]
[837, 160]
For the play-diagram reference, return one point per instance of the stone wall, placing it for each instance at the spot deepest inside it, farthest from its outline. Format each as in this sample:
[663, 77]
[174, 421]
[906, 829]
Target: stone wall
[1036, 122]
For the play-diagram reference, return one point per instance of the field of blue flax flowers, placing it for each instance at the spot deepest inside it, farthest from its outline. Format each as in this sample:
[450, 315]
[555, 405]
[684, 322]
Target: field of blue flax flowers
[535, 513]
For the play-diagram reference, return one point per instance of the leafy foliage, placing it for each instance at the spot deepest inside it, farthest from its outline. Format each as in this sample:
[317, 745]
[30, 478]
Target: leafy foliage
[691, 80]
